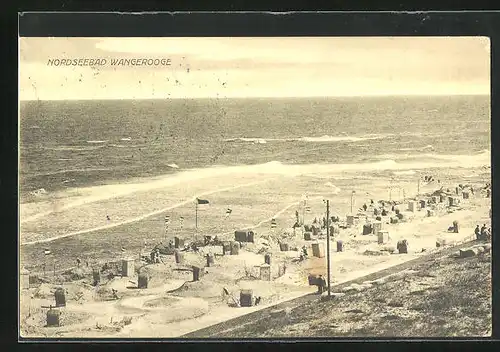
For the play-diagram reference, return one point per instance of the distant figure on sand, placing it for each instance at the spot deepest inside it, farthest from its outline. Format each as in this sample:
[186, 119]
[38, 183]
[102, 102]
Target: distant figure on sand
[108, 218]
[477, 232]
[365, 207]
[321, 284]
[303, 255]
[483, 231]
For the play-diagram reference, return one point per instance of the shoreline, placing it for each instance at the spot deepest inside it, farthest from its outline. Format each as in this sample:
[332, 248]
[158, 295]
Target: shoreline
[421, 232]
[151, 228]
[57, 203]
[382, 162]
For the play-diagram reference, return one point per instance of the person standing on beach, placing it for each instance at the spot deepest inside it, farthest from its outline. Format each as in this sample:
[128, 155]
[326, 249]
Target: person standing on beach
[304, 252]
[483, 231]
[320, 284]
[477, 232]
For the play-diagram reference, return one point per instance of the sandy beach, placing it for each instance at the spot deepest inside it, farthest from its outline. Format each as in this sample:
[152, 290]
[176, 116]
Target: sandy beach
[173, 304]
[166, 199]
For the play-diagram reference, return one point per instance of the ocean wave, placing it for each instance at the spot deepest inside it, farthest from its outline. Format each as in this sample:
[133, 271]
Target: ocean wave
[322, 139]
[74, 148]
[273, 168]
[127, 145]
[68, 171]
[39, 192]
[96, 142]
[327, 138]
[419, 148]
[334, 189]
[253, 140]
[126, 139]
[174, 166]
[402, 173]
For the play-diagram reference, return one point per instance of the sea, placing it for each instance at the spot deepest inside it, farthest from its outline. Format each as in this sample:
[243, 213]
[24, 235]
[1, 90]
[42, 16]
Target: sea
[67, 144]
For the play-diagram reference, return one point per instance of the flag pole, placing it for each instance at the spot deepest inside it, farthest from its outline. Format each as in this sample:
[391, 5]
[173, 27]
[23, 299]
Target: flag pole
[352, 196]
[328, 243]
[303, 212]
[196, 215]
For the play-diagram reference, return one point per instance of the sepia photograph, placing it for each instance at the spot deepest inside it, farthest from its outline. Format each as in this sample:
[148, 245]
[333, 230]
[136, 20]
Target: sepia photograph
[254, 187]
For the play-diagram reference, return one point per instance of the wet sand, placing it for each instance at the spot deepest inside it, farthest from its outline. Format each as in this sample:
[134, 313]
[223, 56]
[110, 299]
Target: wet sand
[253, 206]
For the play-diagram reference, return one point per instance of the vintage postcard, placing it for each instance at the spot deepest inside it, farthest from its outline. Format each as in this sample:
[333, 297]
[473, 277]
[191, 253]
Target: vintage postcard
[270, 187]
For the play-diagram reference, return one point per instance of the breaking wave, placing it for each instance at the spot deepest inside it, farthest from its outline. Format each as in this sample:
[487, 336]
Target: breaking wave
[322, 139]
[69, 171]
[401, 173]
[262, 172]
[327, 138]
[39, 192]
[335, 189]
[74, 148]
[128, 145]
[96, 142]
[418, 149]
[277, 168]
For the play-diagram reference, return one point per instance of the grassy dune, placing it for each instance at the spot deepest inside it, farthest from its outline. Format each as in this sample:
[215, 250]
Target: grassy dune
[446, 298]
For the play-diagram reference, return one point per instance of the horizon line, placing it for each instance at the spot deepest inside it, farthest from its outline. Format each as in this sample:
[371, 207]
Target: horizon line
[268, 97]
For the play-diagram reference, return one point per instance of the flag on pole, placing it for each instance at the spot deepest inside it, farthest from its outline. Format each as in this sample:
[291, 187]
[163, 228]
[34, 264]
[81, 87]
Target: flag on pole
[202, 201]
[308, 209]
[167, 219]
[273, 223]
[228, 212]
[181, 219]
[46, 252]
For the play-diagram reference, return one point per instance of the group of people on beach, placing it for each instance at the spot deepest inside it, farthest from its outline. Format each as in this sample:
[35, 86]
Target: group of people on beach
[483, 233]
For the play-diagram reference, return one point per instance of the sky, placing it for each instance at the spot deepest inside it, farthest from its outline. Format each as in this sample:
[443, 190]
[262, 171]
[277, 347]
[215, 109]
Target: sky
[255, 67]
